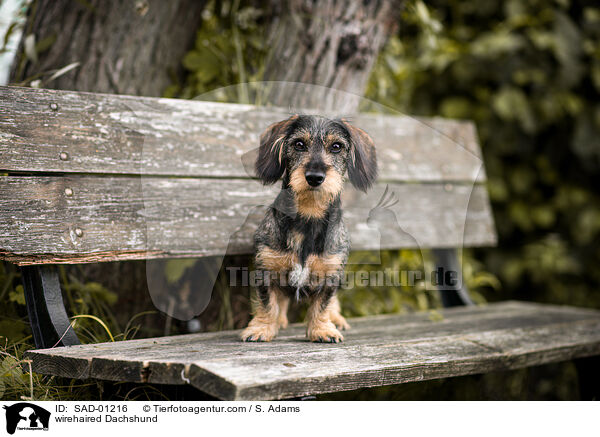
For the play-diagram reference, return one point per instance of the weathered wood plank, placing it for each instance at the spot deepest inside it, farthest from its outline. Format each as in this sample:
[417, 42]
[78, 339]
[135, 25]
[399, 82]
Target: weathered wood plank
[54, 219]
[74, 132]
[378, 351]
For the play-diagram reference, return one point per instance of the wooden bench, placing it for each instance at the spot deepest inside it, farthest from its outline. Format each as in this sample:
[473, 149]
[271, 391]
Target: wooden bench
[91, 178]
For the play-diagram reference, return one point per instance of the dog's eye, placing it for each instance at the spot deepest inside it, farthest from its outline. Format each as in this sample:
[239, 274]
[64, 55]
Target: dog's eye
[299, 146]
[336, 148]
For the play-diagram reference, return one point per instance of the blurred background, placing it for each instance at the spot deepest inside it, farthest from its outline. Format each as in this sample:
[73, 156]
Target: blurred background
[526, 71]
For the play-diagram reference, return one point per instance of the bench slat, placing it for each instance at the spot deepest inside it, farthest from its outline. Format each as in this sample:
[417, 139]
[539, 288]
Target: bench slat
[101, 133]
[55, 219]
[377, 351]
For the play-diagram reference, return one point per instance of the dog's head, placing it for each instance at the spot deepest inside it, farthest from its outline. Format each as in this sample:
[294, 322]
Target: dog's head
[316, 153]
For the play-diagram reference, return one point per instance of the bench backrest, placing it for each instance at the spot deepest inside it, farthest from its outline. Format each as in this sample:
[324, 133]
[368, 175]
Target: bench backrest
[91, 177]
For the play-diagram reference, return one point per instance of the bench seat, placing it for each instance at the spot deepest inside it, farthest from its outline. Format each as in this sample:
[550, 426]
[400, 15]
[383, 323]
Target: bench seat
[377, 351]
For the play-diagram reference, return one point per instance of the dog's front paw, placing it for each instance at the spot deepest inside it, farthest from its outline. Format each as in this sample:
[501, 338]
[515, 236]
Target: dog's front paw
[339, 321]
[282, 321]
[325, 333]
[259, 333]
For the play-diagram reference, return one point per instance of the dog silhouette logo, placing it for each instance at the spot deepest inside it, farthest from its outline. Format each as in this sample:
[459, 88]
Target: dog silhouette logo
[26, 416]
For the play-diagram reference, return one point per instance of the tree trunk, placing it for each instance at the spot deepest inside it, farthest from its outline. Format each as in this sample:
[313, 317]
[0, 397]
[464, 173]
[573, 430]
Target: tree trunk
[332, 44]
[122, 46]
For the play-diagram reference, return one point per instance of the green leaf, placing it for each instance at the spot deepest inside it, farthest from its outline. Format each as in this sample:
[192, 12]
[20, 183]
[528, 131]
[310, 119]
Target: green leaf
[585, 138]
[496, 43]
[497, 190]
[511, 104]
[519, 214]
[12, 330]
[10, 368]
[17, 295]
[568, 49]
[484, 279]
[175, 268]
[100, 292]
[192, 61]
[521, 179]
[544, 216]
[456, 107]
[567, 44]
[8, 33]
[45, 44]
[588, 225]
[204, 63]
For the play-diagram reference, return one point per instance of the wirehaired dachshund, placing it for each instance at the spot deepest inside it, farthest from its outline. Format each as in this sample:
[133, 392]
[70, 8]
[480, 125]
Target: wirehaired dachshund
[301, 246]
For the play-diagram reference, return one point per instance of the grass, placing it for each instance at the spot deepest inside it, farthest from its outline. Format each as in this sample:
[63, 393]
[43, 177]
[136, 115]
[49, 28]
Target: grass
[94, 321]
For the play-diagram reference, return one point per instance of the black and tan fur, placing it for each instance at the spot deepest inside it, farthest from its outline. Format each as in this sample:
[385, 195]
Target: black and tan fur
[302, 241]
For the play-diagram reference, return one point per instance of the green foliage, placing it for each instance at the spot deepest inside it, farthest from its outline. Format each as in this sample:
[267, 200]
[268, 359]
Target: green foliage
[528, 73]
[91, 306]
[16, 379]
[18, 382]
[86, 298]
[13, 325]
[404, 297]
[230, 48]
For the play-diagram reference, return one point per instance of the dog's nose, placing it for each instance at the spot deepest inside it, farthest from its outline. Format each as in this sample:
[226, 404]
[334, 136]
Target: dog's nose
[314, 178]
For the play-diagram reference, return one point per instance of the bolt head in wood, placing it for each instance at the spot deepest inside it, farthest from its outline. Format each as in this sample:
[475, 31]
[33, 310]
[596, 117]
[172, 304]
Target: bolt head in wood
[64, 156]
[78, 232]
[68, 192]
[54, 106]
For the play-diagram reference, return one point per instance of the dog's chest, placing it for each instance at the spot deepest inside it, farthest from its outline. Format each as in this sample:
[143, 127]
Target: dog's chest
[306, 238]
[307, 244]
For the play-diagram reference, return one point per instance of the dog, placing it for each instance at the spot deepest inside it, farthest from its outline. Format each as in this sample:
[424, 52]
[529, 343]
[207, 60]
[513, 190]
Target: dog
[301, 246]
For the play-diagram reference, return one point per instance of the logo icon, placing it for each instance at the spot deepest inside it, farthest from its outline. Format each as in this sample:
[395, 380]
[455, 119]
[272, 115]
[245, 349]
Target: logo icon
[26, 416]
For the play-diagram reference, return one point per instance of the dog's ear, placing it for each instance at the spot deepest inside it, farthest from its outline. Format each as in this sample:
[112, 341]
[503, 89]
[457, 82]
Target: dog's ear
[270, 163]
[362, 164]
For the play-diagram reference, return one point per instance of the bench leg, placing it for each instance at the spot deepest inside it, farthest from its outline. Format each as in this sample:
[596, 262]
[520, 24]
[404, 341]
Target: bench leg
[447, 260]
[588, 373]
[47, 314]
